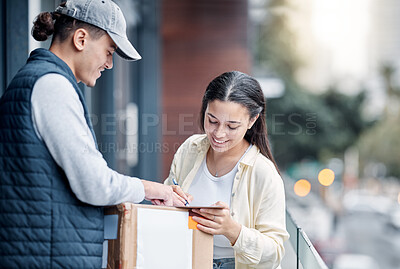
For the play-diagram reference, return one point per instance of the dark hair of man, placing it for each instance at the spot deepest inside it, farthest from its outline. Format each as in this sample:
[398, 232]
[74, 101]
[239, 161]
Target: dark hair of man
[242, 89]
[61, 27]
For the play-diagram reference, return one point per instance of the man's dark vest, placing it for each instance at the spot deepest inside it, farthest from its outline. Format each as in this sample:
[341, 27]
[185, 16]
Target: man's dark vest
[42, 223]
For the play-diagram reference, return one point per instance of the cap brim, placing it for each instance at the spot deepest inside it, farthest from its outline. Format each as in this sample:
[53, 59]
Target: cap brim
[125, 48]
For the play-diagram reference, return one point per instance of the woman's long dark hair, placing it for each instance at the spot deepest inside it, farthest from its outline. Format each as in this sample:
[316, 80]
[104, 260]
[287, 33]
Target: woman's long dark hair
[60, 26]
[245, 90]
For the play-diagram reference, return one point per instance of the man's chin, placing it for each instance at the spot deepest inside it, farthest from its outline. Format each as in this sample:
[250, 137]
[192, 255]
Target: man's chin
[90, 84]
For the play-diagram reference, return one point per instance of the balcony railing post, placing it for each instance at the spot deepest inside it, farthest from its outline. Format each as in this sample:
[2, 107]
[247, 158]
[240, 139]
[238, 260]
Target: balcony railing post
[297, 247]
[307, 256]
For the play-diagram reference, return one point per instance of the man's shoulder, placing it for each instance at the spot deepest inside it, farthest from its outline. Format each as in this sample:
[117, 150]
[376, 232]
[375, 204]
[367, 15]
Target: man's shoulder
[54, 78]
[55, 89]
[54, 83]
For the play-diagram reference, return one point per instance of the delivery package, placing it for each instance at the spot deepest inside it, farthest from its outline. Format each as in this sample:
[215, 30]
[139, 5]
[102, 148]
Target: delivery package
[154, 237]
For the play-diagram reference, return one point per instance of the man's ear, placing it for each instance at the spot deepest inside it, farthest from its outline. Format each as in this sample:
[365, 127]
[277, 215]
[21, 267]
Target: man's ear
[80, 38]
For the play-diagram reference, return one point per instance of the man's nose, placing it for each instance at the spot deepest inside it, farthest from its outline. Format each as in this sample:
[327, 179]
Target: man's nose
[109, 63]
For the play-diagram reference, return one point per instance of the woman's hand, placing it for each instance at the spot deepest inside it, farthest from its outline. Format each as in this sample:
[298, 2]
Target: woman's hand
[218, 221]
[179, 197]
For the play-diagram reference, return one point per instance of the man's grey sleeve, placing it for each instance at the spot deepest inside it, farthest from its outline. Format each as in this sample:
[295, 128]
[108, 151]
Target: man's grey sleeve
[59, 121]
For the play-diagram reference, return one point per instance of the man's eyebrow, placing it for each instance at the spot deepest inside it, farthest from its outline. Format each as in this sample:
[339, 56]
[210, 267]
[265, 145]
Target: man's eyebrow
[230, 121]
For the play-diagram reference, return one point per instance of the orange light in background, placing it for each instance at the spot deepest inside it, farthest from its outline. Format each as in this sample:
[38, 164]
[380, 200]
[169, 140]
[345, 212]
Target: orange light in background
[326, 177]
[398, 198]
[302, 187]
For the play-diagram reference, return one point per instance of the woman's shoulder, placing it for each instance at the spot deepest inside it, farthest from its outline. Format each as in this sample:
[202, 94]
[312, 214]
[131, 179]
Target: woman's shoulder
[196, 138]
[262, 161]
[265, 168]
[194, 141]
[258, 161]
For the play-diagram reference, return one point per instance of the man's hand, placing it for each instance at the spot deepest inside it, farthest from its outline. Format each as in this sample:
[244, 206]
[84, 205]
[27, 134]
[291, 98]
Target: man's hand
[163, 194]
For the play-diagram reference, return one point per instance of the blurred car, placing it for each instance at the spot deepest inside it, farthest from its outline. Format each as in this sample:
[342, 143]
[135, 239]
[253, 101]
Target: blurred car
[355, 261]
[360, 201]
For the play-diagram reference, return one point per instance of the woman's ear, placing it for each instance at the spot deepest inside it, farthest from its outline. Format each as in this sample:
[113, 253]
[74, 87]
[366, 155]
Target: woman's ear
[252, 121]
[80, 38]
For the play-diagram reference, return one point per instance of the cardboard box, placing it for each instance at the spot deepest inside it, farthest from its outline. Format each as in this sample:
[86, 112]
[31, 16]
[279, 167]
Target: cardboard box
[123, 251]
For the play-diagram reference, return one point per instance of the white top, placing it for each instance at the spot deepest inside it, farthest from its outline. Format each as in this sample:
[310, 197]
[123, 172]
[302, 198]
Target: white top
[207, 189]
[58, 119]
[257, 202]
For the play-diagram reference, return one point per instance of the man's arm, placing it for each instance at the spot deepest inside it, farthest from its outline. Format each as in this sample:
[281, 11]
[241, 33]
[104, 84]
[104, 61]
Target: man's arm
[58, 118]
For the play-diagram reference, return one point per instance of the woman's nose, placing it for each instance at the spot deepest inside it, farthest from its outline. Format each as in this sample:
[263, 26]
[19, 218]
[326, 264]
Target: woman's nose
[219, 132]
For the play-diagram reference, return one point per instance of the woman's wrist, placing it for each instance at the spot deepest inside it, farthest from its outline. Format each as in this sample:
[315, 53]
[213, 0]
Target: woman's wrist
[233, 233]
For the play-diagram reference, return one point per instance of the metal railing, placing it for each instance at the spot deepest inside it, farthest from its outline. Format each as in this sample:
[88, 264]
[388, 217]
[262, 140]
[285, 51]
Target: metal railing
[307, 256]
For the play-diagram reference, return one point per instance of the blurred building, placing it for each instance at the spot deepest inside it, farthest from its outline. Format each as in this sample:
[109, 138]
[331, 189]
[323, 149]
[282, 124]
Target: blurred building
[345, 44]
[200, 40]
[384, 52]
[332, 40]
[142, 111]
[384, 34]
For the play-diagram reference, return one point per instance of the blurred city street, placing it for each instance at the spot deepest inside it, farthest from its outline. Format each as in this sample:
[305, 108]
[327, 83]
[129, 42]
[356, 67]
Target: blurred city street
[366, 231]
[370, 234]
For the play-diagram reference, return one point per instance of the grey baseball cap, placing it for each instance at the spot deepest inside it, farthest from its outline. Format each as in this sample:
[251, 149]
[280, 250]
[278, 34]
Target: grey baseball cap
[106, 15]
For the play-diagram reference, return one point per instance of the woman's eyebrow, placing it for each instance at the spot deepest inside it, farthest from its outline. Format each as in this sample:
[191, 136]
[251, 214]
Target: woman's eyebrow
[211, 115]
[230, 121]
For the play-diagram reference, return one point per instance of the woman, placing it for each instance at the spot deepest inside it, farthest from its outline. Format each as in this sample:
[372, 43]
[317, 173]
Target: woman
[231, 166]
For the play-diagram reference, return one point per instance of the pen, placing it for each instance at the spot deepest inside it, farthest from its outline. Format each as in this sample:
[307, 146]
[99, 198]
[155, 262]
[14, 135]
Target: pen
[176, 183]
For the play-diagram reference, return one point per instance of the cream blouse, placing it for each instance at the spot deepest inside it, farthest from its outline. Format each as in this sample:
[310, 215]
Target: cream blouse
[257, 202]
